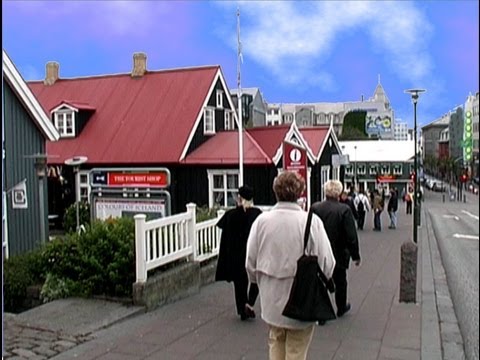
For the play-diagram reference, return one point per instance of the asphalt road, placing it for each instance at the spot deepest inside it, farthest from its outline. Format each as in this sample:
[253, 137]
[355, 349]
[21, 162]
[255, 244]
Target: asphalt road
[456, 228]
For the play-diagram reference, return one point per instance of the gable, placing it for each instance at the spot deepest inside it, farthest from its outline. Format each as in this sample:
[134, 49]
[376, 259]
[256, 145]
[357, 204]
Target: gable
[22, 91]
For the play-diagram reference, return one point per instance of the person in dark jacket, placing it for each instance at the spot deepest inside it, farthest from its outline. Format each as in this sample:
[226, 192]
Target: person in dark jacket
[345, 198]
[392, 208]
[235, 225]
[341, 230]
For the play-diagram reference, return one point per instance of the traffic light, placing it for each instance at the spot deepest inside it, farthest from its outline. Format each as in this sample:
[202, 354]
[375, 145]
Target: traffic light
[467, 136]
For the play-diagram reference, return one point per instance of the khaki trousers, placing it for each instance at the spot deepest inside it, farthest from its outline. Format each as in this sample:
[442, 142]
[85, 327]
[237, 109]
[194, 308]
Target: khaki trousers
[289, 344]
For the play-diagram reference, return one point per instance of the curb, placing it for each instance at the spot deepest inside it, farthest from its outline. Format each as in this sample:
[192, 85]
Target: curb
[441, 336]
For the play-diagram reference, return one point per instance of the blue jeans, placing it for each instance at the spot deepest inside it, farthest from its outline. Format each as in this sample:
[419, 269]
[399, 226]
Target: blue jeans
[377, 224]
[393, 219]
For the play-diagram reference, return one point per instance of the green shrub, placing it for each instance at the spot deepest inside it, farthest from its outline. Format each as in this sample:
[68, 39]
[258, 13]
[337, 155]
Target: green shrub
[205, 213]
[20, 272]
[70, 217]
[101, 259]
[58, 288]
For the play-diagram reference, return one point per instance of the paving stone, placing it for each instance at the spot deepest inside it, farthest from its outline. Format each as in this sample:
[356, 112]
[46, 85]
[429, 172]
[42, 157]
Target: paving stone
[44, 350]
[24, 353]
[453, 351]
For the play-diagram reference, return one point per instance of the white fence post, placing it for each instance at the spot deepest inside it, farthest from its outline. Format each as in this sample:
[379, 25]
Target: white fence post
[192, 228]
[140, 255]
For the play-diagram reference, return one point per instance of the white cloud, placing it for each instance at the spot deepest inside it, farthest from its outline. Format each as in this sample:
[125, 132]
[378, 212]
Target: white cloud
[301, 36]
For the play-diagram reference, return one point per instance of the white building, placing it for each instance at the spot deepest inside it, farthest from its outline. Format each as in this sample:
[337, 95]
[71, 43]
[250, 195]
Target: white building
[400, 131]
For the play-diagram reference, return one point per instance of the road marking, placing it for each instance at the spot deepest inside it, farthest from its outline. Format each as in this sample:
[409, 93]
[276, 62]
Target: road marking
[470, 214]
[452, 217]
[471, 237]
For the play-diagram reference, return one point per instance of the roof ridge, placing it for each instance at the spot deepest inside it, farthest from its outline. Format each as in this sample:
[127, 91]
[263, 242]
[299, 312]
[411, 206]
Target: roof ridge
[101, 76]
[257, 145]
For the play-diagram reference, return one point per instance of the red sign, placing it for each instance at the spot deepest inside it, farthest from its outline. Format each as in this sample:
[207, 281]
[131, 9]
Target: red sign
[295, 159]
[151, 179]
[386, 178]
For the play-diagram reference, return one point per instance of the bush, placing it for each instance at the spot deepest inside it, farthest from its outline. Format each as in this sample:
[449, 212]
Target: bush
[205, 213]
[58, 288]
[20, 272]
[70, 217]
[101, 259]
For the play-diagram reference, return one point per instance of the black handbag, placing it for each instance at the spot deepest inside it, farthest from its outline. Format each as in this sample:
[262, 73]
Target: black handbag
[309, 299]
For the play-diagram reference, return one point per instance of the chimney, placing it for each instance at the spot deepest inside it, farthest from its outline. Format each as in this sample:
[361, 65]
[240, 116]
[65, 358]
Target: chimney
[139, 64]
[51, 73]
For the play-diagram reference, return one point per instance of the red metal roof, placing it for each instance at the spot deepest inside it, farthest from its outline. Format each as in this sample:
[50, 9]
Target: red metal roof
[76, 104]
[269, 138]
[315, 137]
[137, 120]
[222, 149]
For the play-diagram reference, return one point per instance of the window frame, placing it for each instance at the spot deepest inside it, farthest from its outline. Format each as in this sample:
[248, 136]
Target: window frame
[229, 124]
[207, 131]
[82, 185]
[60, 116]
[219, 99]
[226, 191]
[397, 169]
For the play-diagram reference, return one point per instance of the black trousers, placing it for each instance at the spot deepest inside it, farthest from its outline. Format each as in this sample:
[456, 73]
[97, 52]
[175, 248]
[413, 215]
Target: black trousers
[361, 219]
[244, 294]
[409, 207]
[340, 279]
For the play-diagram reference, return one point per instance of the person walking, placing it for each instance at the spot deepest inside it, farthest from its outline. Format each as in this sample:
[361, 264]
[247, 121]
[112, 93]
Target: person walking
[346, 199]
[236, 224]
[273, 248]
[363, 206]
[392, 208]
[409, 200]
[378, 205]
[340, 227]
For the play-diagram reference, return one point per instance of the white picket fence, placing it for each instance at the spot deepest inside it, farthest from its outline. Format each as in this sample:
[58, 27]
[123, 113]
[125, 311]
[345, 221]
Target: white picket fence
[161, 241]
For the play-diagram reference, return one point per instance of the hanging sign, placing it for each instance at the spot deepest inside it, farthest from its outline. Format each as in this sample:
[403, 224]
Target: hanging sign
[295, 159]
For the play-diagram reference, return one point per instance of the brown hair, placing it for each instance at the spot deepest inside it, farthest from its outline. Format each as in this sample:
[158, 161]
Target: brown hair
[288, 186]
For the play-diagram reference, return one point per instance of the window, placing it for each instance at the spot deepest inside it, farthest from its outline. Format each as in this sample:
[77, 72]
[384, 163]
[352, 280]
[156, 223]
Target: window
[324, 177]
[83, 190]
[373, 170]
[361, 169]
[64, 122]
[397, 169]
[385, 169]
[220, 99]
[229, 123]
[348, 170]
[223, 188]
[209, 121]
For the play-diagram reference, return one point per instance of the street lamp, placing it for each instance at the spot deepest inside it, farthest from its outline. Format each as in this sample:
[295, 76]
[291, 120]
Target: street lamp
[76, 161]
[415, 94]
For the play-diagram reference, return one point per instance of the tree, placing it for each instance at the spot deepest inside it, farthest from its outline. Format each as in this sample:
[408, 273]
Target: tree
[354, 126]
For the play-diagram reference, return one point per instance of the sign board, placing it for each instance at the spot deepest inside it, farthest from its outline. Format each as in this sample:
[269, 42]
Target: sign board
[338, 160]
[19, 195]
[158, 178]
[378, 123]
[295, 159]
[115, 207]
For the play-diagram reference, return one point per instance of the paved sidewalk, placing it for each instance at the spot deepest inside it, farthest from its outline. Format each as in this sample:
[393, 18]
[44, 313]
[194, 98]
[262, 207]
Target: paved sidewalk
[205, 326]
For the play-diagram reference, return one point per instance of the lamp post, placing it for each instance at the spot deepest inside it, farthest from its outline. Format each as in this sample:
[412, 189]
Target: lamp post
[41, 169]
[415, 94]
[75, 162]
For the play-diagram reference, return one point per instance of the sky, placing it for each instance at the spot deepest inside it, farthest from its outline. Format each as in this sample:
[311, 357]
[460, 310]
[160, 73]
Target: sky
[294, 52]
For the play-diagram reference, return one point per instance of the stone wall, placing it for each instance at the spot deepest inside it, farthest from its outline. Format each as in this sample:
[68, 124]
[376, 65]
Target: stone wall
[174, 284]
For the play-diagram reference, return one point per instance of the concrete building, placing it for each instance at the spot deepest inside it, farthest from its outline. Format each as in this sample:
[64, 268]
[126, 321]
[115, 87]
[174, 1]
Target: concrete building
[400, 130]
[472, 105]
[254, 108]
[455, 128]
[431, 135]
[379, 118]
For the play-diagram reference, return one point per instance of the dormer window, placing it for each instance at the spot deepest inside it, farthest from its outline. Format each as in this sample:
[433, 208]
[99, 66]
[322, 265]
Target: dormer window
[220, 99]
[209, 121]
[65, 123]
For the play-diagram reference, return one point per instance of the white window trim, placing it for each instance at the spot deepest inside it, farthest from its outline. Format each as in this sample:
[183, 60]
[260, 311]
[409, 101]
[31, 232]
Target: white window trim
[229, 123]
[361, 169]
[383, 171]
[205, 130]
[62, 114]
[324, 177]
[372, 170]
[224, 173]
[220, 99]
[82, 185]
[349, 170]
[395, 172]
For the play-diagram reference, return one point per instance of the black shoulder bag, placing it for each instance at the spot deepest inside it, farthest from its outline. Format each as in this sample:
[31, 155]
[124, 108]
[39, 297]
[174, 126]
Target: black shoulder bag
[309, 299]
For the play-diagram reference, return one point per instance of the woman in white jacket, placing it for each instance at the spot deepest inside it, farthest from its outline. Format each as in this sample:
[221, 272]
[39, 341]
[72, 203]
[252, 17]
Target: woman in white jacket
[274, 245]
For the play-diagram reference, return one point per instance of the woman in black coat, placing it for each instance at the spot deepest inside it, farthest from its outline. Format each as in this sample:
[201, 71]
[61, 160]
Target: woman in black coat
[236, 224]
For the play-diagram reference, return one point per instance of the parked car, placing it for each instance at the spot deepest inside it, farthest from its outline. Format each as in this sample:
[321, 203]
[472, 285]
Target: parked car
[439, 186]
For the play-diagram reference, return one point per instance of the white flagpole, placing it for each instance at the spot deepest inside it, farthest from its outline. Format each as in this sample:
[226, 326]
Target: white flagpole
[239, 97]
